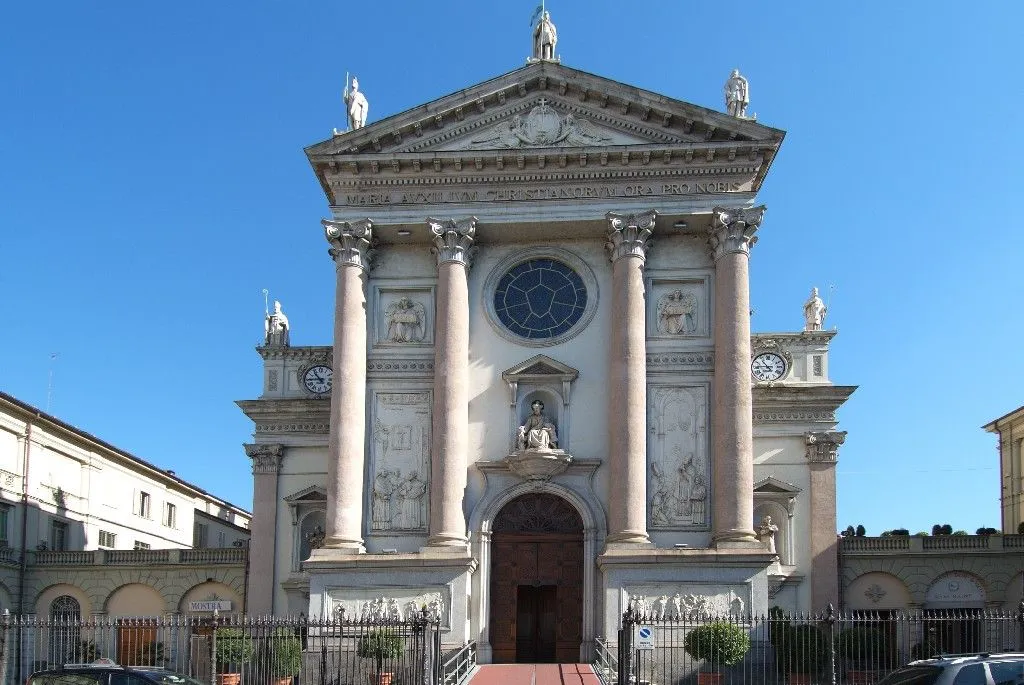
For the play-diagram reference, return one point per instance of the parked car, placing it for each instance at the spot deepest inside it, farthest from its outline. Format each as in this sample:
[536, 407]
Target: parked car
[106, 672]
[1000, 668]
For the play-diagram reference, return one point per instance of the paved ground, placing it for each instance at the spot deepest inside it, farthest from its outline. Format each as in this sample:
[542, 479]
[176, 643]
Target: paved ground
[535, 674]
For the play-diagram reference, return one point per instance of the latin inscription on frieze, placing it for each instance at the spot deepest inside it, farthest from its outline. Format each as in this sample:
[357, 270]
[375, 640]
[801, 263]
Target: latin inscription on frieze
[564, 192]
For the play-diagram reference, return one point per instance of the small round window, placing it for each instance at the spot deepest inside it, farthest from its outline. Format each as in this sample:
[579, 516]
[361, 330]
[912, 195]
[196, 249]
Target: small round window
[540, 299]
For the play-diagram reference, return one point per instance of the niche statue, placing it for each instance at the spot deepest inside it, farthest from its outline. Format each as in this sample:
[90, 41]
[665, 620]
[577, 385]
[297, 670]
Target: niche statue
[538, 432]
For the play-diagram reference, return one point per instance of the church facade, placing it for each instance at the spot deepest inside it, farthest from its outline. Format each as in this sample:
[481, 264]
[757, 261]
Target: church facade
[543, 400]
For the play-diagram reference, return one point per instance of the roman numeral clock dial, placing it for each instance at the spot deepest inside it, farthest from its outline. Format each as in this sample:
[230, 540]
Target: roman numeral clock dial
[768, 366]
[317, 379]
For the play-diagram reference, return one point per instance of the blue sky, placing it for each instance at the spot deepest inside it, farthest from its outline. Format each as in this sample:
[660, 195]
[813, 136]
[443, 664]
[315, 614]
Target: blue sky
[153, 182]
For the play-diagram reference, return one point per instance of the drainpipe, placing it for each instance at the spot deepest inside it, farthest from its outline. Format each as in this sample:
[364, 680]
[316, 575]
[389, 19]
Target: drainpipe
[24, 540]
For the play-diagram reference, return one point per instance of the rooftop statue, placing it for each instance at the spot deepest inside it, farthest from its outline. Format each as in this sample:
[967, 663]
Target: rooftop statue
[275, 328]
[357, 106]
[545, 37]
[737, 95]
[814, 312]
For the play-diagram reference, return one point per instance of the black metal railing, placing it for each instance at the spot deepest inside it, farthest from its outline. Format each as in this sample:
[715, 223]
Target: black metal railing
[458, 666]
[856, 647]
[606, 662]
[261, 650]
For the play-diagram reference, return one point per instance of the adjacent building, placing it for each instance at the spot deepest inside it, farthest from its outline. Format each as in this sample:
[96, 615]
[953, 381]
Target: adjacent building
[88, 529]
[543, 401]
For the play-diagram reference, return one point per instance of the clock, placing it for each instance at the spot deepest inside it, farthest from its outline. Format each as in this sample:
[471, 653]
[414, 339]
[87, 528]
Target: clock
[317, 379]
[768, 366]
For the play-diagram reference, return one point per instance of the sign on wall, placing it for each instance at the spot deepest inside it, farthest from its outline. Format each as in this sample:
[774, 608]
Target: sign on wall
[210, 605]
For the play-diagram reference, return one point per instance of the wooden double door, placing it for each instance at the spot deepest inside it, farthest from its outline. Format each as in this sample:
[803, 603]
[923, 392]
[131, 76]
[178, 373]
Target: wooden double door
[536, 597]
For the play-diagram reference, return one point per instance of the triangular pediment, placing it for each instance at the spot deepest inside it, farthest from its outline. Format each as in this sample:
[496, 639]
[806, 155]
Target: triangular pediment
[772, 485]
[313, 493]
[539, 367]
[545, 105]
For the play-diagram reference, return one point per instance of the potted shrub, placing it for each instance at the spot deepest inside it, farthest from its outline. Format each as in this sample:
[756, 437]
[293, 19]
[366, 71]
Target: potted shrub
[865, 649]
[234, 648]
[148, 654]
[283, 655]
[719, 644]
[381, 645]
[804, 649]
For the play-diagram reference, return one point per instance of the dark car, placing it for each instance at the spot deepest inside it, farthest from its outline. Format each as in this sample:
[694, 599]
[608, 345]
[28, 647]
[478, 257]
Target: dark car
[109, 673]
[1005, 668]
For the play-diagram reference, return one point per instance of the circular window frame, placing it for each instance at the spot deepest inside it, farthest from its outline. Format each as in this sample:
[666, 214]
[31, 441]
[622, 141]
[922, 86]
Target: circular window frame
[518, 257]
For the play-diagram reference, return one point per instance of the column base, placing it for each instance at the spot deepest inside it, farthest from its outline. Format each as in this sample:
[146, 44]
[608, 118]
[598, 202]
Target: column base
[735, 539]
[447, 540]
[629, 537]
[334, 546]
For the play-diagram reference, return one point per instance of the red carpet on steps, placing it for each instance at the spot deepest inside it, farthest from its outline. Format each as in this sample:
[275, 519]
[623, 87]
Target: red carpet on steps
[535, 674]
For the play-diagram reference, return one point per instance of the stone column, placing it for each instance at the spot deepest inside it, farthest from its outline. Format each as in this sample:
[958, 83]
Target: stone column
[627, 378]
[350, 249]
[823, 453]
[266, 463]
[453, 245]
[730, 239]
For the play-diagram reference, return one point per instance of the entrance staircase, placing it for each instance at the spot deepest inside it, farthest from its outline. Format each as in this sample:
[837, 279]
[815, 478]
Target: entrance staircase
[535, 674]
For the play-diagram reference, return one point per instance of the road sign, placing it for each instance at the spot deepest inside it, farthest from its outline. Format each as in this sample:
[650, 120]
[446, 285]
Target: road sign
[644, 637]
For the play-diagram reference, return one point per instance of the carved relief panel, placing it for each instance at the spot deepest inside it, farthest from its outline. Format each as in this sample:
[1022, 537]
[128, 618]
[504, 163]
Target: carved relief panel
[404, 317]
[679, 471]
[391, 603]
[679, 308]
[687, 600]
[400, 462]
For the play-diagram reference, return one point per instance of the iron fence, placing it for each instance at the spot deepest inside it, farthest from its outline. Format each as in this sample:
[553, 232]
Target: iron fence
[459, 665]
[261, 650]
[857, 648]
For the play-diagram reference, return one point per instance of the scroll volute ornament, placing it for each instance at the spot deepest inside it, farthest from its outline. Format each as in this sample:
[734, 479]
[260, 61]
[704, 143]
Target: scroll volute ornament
[732, 230]
[629, 233]
[351, 242]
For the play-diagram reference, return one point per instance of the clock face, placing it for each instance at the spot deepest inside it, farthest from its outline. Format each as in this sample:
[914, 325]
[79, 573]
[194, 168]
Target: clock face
[318, 379]
[768, 366]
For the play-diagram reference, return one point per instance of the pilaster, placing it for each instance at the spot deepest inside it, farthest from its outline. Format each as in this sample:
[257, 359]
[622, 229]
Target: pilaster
[266, 465]
[822, 455]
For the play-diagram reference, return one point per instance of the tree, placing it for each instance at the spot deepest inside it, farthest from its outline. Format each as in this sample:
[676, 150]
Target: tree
[947, 529]
[861, 532]
[848, 533]
[937, 529]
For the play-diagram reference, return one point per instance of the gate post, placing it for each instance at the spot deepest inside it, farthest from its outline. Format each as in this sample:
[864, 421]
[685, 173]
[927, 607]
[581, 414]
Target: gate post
[629, 619]
[830, 619]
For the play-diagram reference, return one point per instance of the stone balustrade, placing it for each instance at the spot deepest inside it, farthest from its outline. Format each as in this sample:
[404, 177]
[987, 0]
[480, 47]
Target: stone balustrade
[938, 544]
[141, 557]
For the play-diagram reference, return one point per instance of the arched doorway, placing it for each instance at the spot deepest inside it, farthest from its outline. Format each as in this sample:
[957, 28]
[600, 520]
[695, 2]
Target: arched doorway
[537, 581]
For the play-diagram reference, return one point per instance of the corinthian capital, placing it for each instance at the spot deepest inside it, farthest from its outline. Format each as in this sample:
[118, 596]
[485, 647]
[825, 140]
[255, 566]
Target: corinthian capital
[732, 230]
[628, 234]
[824, 445]
[453, 240]
[351, 242]
[266, 457]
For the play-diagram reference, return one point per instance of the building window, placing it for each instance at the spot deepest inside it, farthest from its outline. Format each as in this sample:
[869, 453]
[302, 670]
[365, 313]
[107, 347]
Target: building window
[58, 536]
[170, 515]
[5, 525]
[142, 504]
[141, 545]
[107, 539]
[200, 535]
[220, 538]
[540, 298]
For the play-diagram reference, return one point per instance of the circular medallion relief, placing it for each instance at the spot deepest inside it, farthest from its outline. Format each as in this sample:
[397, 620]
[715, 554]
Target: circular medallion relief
[541, 296]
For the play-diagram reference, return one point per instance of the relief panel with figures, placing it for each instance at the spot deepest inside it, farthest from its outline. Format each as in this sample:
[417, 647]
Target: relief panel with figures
[400, 449]
[679, 471]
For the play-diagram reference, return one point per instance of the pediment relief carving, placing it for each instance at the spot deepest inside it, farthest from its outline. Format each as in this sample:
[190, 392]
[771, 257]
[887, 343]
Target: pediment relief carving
[590, 110]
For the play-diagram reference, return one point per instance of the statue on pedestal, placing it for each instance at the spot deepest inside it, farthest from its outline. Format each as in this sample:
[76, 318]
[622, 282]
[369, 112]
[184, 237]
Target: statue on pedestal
[814, 312]
[766, 533]
[737, 95]
[357, 106]
[545, 37]
[276, 328]
[538, 432]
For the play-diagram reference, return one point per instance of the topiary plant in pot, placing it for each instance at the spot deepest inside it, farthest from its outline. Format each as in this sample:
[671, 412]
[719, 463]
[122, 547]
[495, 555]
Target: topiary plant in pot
[234, 649]
[282, 654]
[865, 649]
[719, 644]
[804, 649]
[381, 645]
